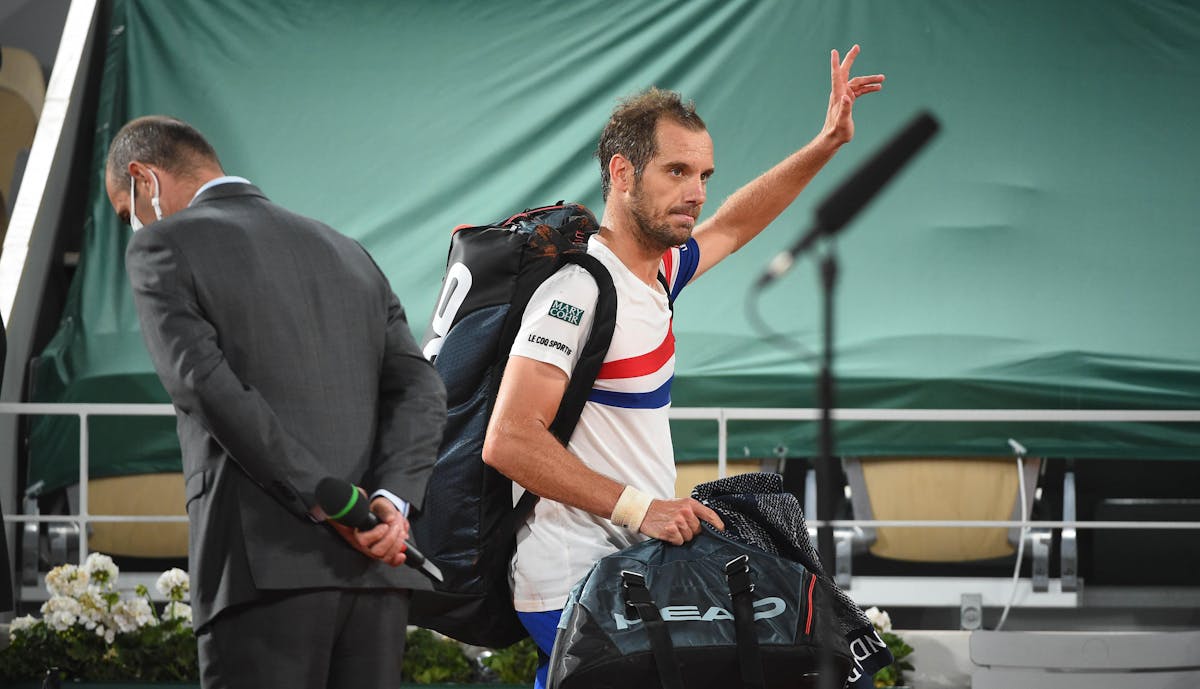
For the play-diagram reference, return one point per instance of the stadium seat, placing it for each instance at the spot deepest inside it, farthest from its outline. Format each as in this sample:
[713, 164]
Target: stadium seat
[1137, 490]
[977, 488]
[139, 494]
[22, 94]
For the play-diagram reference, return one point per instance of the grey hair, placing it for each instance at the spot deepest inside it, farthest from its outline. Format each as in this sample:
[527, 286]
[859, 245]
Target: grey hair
[167, 142]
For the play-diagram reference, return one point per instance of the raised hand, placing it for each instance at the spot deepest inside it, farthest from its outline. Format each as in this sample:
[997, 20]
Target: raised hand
[839, 118]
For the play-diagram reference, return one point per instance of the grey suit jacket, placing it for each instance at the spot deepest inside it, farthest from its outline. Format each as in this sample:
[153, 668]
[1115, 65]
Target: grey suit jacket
[288, 359]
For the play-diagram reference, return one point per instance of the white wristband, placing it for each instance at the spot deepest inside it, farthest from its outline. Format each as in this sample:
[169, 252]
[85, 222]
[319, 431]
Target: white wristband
[631, 508]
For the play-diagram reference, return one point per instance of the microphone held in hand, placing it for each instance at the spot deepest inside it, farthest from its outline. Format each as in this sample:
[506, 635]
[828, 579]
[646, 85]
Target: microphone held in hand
[345, 504]
[847, 200]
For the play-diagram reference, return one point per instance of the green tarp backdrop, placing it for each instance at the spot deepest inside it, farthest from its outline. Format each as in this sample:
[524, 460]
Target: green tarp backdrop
[1042, 253]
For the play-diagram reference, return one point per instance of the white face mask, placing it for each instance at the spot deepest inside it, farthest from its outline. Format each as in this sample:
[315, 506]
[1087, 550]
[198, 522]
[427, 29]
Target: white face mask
[134, 221]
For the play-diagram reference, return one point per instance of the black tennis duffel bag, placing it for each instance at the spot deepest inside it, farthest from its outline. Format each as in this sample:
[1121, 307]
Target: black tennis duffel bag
[711, 613]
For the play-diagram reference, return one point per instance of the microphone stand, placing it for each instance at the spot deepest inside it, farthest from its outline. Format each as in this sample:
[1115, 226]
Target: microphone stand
[837, 209]
[826, 486]
[827, 492]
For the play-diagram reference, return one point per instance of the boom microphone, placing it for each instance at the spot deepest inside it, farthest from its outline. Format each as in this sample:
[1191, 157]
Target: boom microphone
[848, 199]
[344, 503]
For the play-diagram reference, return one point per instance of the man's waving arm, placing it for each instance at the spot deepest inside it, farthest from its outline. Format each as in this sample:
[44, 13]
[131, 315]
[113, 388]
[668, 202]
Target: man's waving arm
[751, 208]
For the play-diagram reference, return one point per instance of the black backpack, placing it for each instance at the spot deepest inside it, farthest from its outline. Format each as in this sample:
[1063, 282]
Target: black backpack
[468, 523]
[712, 613]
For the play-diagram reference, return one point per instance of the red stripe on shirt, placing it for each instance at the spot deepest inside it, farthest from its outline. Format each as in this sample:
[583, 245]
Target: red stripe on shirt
[668, 259]
[643, 364]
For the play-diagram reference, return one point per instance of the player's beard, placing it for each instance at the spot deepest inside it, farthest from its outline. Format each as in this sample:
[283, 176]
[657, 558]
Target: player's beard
[657, 229]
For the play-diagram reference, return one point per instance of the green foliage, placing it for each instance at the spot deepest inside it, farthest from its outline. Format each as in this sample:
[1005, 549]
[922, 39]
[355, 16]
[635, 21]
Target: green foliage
[516, 664]
[164, 652]
[893, 675]
[90, 632]
[430, 659]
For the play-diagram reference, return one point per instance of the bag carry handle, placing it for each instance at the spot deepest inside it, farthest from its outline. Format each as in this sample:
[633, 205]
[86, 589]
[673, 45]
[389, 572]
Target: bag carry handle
[639, 603]
[737, 573]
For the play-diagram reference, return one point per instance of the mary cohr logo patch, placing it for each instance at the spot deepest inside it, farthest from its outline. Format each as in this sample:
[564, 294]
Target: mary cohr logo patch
[566, 312]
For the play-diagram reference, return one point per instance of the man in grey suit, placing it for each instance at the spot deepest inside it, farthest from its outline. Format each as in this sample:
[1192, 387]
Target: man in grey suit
[289, 360]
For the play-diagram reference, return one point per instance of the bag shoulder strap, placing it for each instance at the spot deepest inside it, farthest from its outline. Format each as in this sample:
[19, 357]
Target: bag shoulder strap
[741, 586]
[639, 602]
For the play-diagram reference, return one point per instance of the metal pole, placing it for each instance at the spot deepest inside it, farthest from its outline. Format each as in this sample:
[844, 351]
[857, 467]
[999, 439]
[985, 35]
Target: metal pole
[827, 488]
[84, 471]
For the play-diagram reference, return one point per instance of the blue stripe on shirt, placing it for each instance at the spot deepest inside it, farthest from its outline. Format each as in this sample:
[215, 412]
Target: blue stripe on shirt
[654, 399]
[689, 259]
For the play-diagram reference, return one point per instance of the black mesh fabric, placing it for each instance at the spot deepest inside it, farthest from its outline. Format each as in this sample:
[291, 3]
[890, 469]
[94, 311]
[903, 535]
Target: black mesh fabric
[757, 511]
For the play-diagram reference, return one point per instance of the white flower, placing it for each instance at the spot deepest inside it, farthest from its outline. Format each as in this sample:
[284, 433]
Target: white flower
[132, 615]
[174, 584]
[67, 580]
[61, 612]
[179, 611]
[20, 624]
[105, 633]
[879, 618]
[108, 633]
[93, 610]
[102, 571]
[85, 597]
[885, 622]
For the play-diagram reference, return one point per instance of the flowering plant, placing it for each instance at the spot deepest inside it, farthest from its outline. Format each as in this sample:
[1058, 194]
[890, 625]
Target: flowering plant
[892, 675]
[89, 631]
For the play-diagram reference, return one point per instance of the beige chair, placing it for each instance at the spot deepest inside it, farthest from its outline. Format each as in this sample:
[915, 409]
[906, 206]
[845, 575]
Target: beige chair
[22, 94]
[140, 494]
[905, 488]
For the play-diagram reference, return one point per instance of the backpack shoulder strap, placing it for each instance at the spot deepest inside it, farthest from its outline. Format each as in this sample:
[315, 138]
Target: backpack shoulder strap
[662, 280]
[604, 321]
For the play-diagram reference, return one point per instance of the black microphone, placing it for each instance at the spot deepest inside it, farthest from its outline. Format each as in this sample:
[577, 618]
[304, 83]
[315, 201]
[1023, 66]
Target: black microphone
[344, 503]
[848, 199]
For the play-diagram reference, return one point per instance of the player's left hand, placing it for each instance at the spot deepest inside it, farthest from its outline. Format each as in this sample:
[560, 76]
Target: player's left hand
[839, 118]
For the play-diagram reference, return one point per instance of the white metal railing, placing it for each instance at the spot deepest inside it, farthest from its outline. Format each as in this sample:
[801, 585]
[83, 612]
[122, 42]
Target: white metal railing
[84, 411]
[721, 415]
